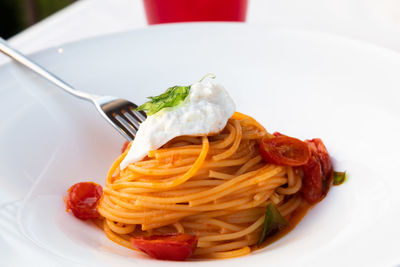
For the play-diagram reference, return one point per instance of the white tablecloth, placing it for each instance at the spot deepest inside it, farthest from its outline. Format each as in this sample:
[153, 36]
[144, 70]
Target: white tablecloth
[376, 21]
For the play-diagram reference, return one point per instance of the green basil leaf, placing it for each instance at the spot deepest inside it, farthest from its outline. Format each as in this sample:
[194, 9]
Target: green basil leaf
[172, 97]
[273, 222]
[339, 178]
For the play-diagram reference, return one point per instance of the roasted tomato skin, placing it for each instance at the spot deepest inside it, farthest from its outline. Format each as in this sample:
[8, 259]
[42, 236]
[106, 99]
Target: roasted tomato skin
[284, 150]
[317, 172]
[82, 200]
[176, 247]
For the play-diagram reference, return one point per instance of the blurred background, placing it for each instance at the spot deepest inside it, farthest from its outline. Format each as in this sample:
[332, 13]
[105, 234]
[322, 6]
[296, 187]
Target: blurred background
[16, 15]
[374, 21]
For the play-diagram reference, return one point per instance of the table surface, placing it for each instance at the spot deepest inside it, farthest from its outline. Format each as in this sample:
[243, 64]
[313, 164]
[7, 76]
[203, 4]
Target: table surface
[374, 21]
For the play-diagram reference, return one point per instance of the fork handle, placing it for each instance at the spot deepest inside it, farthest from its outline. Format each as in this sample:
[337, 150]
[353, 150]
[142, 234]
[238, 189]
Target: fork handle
[19, 57]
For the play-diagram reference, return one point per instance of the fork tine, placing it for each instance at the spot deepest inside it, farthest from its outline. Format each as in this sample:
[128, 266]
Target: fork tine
[124, 128]
[140, 115]
[131, 118]
[126, 123]
[119, 112]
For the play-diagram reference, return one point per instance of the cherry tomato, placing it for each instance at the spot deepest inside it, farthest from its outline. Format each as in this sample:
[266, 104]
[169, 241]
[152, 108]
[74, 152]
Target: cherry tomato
[176, 247]
[284, 150]
[312, 181]
[82, 199]
[124, 146]
[318, 149]
[317, 172]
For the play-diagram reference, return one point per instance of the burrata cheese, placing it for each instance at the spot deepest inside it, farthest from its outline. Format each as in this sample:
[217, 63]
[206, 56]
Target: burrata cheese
[205, 110]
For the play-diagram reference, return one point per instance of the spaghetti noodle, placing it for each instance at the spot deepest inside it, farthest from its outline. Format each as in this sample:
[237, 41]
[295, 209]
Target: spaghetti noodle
[216, 187]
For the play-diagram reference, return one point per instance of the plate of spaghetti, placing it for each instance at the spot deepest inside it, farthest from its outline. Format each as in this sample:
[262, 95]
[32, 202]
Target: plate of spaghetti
[214, 186]
[236, 168]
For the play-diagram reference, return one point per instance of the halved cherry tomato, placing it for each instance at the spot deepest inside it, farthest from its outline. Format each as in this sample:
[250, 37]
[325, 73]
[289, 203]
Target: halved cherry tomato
[177, 247]
[317, 172]
[284, 150]
[82, 199]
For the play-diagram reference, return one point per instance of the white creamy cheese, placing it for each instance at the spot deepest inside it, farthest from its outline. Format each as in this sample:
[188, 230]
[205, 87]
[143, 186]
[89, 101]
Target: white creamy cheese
[205, 110]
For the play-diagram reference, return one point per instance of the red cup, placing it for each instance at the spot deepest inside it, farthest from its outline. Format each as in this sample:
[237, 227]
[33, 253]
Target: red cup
[166, 11]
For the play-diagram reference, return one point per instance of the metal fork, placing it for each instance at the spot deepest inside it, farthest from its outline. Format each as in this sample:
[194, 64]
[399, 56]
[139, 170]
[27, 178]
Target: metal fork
[118, 112]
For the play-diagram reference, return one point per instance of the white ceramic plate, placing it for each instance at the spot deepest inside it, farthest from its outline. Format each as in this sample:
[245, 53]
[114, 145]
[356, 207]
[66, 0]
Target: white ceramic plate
[300, 83]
